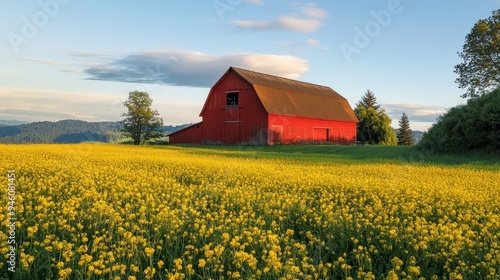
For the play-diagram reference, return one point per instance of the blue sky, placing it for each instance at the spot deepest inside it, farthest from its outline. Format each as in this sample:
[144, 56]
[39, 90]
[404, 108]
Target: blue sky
[69, 59]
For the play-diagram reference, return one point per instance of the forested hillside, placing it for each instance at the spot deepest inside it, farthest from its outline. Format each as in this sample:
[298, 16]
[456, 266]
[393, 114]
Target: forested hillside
[11, 122]
[67, 131]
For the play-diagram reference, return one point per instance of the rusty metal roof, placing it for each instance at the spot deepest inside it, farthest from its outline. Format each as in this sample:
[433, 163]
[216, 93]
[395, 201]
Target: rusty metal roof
[282, 96]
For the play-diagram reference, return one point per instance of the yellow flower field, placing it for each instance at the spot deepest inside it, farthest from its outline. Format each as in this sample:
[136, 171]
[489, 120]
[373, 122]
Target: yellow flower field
[92, 211]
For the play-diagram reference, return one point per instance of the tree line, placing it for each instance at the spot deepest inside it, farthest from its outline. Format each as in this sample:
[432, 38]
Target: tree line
[374, 126]
[68, 131]
[474, 126]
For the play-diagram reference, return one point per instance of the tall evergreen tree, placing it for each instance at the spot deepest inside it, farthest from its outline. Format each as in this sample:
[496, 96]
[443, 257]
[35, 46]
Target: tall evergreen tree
[374, 125]
[404, 132]
[368, 100]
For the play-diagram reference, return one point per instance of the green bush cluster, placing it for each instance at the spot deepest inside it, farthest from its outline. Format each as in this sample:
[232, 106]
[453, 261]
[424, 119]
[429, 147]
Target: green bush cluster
[471, 127]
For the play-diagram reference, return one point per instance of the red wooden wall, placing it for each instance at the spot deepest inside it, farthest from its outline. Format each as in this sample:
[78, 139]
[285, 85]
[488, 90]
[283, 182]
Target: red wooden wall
[288, 130]
[188, 135]
[246, 122]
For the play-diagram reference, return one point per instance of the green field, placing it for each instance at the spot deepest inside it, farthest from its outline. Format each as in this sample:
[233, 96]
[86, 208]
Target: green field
[336, 153]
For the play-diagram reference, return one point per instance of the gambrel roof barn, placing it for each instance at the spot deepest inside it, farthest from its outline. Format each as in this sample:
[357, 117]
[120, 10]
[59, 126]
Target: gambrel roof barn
[255, 108]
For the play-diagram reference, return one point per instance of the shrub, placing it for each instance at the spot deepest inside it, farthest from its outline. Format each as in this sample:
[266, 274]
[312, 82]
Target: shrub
[471, 127]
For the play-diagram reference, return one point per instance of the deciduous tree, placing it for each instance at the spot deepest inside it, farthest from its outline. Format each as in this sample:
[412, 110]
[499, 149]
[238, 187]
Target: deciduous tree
[374, 125]
[141, 122]
[479, 72]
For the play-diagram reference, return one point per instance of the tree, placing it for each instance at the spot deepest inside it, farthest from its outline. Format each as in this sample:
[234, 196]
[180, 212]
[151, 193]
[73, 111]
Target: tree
[470, 127]
[479, 72]
[368, 100]
[374, 125]
[141, 123]
[404, 132]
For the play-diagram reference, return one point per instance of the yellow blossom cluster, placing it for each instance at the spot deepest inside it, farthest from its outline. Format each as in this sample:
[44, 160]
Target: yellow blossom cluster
[96, 211]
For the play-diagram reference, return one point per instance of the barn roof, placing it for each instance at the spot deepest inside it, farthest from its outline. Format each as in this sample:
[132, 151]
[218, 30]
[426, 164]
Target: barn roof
[287, 97]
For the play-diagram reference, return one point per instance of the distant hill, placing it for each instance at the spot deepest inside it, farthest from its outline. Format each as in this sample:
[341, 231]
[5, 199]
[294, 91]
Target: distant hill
[173, 128]
[67, 131]
[417, 136]
[11, 122]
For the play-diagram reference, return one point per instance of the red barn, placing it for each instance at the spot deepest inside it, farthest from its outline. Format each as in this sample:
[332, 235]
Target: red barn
[256, 108]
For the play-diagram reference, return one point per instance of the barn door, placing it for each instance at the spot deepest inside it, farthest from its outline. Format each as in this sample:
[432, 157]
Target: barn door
[232, 115]
[231, 124]
[320, 134]
[231, 135]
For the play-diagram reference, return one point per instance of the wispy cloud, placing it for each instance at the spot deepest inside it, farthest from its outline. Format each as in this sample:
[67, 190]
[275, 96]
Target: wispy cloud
[310, 10]
[290, 23]
[257, 2]
[90, 56]
[415, 112]
[309, 22]
[45, 61]
[313, 43]
[69, 67]
[34, 105]
[298, 47]
[188, 68]
[28, 104]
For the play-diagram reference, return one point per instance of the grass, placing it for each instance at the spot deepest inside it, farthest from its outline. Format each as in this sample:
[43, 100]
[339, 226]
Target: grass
[351, 154]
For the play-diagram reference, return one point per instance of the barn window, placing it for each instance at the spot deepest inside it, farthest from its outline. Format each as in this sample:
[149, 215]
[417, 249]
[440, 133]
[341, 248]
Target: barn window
[232, 99]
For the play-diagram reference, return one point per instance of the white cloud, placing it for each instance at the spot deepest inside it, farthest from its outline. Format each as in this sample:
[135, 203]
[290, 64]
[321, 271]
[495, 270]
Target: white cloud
[421, 116]
[309, 22]
[298, 47]
[259, 25]
[415, 112]
[256, 2]
[298, 24]
[313, 43]
[316, 44]
[289, 23]
[310, 10]
[188, 68]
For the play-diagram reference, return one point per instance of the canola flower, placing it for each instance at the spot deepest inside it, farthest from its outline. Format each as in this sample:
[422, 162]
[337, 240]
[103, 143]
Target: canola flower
[92, 211]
